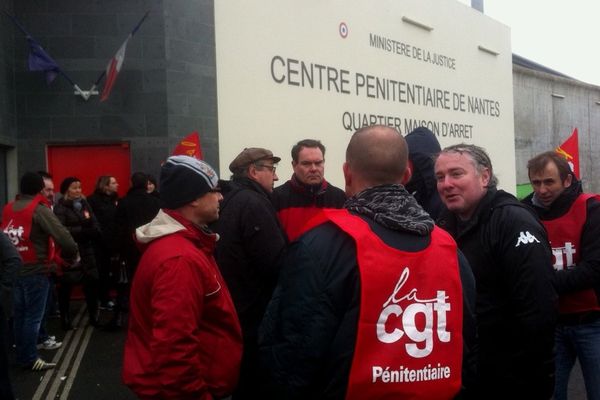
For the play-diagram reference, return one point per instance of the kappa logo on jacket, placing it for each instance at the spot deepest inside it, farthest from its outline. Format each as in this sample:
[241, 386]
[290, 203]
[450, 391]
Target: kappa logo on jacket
[525, 238]
[414, 308]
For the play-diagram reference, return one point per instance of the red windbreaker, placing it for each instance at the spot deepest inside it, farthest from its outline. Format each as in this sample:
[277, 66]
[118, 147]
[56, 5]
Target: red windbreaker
[184, 339]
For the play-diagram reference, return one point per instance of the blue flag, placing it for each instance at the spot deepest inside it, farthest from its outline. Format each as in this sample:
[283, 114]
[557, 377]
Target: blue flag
[39, 60]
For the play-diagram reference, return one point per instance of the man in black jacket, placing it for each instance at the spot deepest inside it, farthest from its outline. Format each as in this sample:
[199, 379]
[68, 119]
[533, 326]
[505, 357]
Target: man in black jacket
[249, 250]
[332, 329]
[10, 263]
[572, 220]
[509, 253]
[307, 191]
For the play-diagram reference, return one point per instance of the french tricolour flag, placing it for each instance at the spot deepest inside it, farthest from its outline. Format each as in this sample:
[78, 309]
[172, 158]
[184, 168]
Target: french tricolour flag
[115, 63]
[113, 68]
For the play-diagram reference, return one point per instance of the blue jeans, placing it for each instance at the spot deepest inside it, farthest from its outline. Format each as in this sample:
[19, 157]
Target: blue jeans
[583, 342]
[29, 295]
[43, 335]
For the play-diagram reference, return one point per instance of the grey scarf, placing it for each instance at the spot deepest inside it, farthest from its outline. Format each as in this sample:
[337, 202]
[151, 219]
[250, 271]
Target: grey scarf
[393, 207]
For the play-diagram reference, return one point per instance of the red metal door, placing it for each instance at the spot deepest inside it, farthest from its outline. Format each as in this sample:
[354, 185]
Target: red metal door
[88, 162]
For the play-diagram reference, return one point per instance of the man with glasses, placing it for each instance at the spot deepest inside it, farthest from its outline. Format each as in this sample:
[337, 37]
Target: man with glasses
[300, 198]
[249, 251]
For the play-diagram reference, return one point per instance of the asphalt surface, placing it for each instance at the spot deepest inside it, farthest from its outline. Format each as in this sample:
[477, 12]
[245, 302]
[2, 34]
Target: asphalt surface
[89, 365]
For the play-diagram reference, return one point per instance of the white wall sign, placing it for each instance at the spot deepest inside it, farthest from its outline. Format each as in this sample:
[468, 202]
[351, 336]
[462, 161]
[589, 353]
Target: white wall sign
[290, 70]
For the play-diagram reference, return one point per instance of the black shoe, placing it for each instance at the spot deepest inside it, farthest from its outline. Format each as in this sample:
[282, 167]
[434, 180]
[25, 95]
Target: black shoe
[116, 323]
[40, 365]
[95, 323]
[106, 305]
[66, 323]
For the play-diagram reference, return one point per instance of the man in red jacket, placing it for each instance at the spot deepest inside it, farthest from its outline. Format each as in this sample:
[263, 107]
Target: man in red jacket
[184, 338]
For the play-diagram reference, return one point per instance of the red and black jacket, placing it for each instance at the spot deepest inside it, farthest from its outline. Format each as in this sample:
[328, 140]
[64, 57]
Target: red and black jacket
[296, 203]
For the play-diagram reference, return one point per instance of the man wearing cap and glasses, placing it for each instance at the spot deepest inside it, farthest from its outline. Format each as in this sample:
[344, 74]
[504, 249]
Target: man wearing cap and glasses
[184, 338]
[249, 250]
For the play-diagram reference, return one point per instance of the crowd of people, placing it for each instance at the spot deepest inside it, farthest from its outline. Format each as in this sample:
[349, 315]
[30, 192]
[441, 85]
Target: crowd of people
[421, 279]
[54, 242]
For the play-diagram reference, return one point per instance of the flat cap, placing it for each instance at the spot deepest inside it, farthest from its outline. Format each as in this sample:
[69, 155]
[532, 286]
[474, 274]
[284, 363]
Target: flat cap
[251, 155]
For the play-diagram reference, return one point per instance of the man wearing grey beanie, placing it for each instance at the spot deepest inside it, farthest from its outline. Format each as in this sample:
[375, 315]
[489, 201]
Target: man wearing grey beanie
[184, 338]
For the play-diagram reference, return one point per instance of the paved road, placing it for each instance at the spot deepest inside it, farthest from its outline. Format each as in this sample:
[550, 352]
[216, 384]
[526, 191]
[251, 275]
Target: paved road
[89, 367]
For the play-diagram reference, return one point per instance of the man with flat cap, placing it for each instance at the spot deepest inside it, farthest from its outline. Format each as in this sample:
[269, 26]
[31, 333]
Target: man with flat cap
[184, 339]
[248, 253]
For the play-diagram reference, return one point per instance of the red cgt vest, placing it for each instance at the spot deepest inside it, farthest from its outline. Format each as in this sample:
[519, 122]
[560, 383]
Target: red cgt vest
[564, 234]
[409, 339]
[17, 226]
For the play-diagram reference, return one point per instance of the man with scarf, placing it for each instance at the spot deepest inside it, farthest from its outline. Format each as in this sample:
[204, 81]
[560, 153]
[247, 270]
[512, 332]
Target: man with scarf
[572, 220]
[369, 303]
[307, 191]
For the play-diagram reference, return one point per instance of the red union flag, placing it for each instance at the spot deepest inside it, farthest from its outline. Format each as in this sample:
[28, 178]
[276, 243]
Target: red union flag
[189, 146]
[570, 151]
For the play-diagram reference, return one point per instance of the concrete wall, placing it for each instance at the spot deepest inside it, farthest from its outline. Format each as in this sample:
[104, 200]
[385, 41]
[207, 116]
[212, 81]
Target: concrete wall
[543, 121]
[167, 87]
[191, 73]
[8, 128]
[163, 92]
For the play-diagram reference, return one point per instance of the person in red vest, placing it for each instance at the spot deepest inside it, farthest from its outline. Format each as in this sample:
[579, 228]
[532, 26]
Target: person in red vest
[509, 254]
[307, 191]
[572, 220]
[34, 230]
[369, 303]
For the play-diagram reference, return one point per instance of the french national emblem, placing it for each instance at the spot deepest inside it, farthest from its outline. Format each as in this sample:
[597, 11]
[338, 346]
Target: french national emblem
[525, 238]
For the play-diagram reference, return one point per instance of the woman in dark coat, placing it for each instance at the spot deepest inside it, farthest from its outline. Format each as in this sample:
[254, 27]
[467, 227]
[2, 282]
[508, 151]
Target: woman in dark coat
[76, 215]
[104, 206]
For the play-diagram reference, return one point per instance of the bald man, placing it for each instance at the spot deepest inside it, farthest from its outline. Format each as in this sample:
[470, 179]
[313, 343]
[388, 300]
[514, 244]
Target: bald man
[369, 303]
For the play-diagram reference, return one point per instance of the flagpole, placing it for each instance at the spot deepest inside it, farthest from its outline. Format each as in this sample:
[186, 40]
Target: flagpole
[133, 32]
[60, 70]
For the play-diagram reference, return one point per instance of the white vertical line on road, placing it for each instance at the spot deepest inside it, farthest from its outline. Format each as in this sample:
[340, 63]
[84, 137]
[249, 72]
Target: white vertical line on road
[69, 343]
[64, 366]
[86, 340]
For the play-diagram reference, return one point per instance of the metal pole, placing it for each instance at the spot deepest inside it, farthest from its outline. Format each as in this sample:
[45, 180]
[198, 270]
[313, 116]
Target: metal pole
[478, 5]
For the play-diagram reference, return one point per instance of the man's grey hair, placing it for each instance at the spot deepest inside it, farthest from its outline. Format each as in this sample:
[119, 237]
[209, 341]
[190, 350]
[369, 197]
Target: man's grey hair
[478, 156]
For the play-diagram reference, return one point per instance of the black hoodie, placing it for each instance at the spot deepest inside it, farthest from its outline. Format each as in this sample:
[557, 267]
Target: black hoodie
[423, 146]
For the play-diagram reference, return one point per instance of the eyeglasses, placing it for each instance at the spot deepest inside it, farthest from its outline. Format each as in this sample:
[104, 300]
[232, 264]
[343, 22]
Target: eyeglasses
[271, 168]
